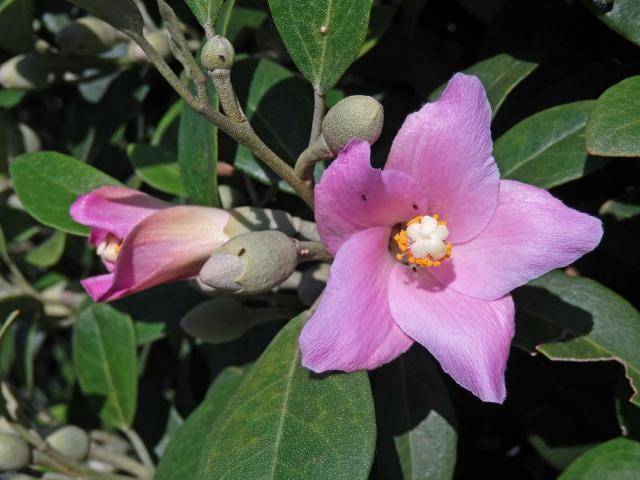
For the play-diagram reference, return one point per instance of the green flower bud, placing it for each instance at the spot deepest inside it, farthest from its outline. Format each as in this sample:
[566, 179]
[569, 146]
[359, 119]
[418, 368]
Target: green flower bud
[25, 72]
[215, 321]
[357, 116]
[14, 452]
[217, 53]
[158, 39]
[70, 441]
[88, 36]
[250, 263]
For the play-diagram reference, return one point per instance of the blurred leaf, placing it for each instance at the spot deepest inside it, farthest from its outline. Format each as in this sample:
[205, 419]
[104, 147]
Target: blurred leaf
[48, 253]
[284, 422]
[156, 166]
[499, 74]
[547, 148]
[279, 106]
[381, 17]
[623, 207]
[613, 129]
[122, 14]
[560, 456]
[617, 459]
[29, 310]
[10, 97]
[627, 414]
[577, 319]
[104, 354]
[165, 134]
[16, 30]
[323, 37]
[17, 224]
[47, 183]
[241, 22]
[417, 436]
[621, 16]
[205, 11]
[180, 459]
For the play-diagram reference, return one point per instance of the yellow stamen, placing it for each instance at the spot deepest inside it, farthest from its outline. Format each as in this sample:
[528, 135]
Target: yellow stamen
[404, 243]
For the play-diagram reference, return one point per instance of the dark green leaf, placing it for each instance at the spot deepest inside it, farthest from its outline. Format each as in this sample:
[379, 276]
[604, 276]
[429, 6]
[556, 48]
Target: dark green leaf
[547, 149]
[417, 435]
[122, 14]
[622, 16]
[381, 17]
[283, 422]
[614, 123]
[165, 134]
[323, 37]
[47, 183]
[499, 74]
[10, 97]
[16, 30]
[577, 319]
[558, 456]
[157, 167]
[104, 354]
[623, 207]
[48, 253]
[205, 11]
[267, 92]
[240, 22]
[617, 459]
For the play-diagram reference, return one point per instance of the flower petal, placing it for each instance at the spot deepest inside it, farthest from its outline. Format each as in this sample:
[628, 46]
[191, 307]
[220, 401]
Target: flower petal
[531, 233]
[446, 146]
[97, 286]
[114, 210]
[353, 196]
[170, 245]
[469, 337]
[352, 328]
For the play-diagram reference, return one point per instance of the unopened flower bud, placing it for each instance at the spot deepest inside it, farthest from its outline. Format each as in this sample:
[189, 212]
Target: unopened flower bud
[357, 116]
[14, 452]
[217, 321]
[158, 39]
[70, 441]
[88, 36]
[217, 53]
[24, 71]
[250, 263]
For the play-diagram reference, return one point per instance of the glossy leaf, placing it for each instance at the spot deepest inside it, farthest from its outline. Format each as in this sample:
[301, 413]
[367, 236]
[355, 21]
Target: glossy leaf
[614, 123]
[323, 37]
[617, 459]
[165, 134]
[279, 106]
[10, 97]
[157, 167]
[283, 422]
[16, 30]
[47, 183]
[417, 436]
[577, 319]
[622, 16]
[547, 148]
[48, 253]
[205, 11]
[499, 74]
[104, 354]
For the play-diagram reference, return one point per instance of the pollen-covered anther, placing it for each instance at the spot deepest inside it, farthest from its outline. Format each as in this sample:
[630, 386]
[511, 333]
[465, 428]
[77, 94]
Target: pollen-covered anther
[422, 242]
[109, 248]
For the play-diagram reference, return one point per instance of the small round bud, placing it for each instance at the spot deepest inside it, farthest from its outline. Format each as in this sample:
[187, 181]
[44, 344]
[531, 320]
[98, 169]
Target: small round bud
[158, 39]
[217, 53]
[24, 71]
[217, 321]
[250, 263]
[70, 441]
[357, 116]
[14, 452]
[87, 36]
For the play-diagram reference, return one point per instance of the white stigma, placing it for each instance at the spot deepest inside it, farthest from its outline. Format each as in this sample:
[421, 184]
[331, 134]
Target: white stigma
[109, 249]
[427, 238]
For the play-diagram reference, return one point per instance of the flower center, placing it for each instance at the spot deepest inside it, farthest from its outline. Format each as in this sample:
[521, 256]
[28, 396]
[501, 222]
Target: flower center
[109, 248]
[422, 241]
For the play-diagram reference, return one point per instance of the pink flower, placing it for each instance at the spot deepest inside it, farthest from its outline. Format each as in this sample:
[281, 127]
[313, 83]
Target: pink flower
[144, 241]
[402, 274]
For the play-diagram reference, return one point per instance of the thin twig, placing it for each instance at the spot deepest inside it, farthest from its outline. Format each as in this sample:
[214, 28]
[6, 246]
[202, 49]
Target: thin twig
[313, 252]
[139, 447]
[318, 114]
[122, 462]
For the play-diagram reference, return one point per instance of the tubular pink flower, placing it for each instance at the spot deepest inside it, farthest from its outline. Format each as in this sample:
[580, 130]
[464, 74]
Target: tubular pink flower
[144, 241]
[402, 274]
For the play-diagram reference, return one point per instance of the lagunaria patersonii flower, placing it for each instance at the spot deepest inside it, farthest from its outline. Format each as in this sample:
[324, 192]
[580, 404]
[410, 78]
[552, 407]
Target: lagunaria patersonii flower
[144, 241]
[429, 248]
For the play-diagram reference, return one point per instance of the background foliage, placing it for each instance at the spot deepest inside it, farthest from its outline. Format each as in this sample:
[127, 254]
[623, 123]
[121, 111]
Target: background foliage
[563, 79]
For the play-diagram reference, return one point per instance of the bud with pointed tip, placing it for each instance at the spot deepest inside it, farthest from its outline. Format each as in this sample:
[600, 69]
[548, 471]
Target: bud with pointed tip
[357, 116]
[70, 441]
[158, 39]
[14, 452]
[250, 263]
[25, 72]
[88, 36]
[217, 53]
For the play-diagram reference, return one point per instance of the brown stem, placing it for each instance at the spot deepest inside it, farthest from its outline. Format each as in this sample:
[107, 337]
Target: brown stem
[313, 252]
